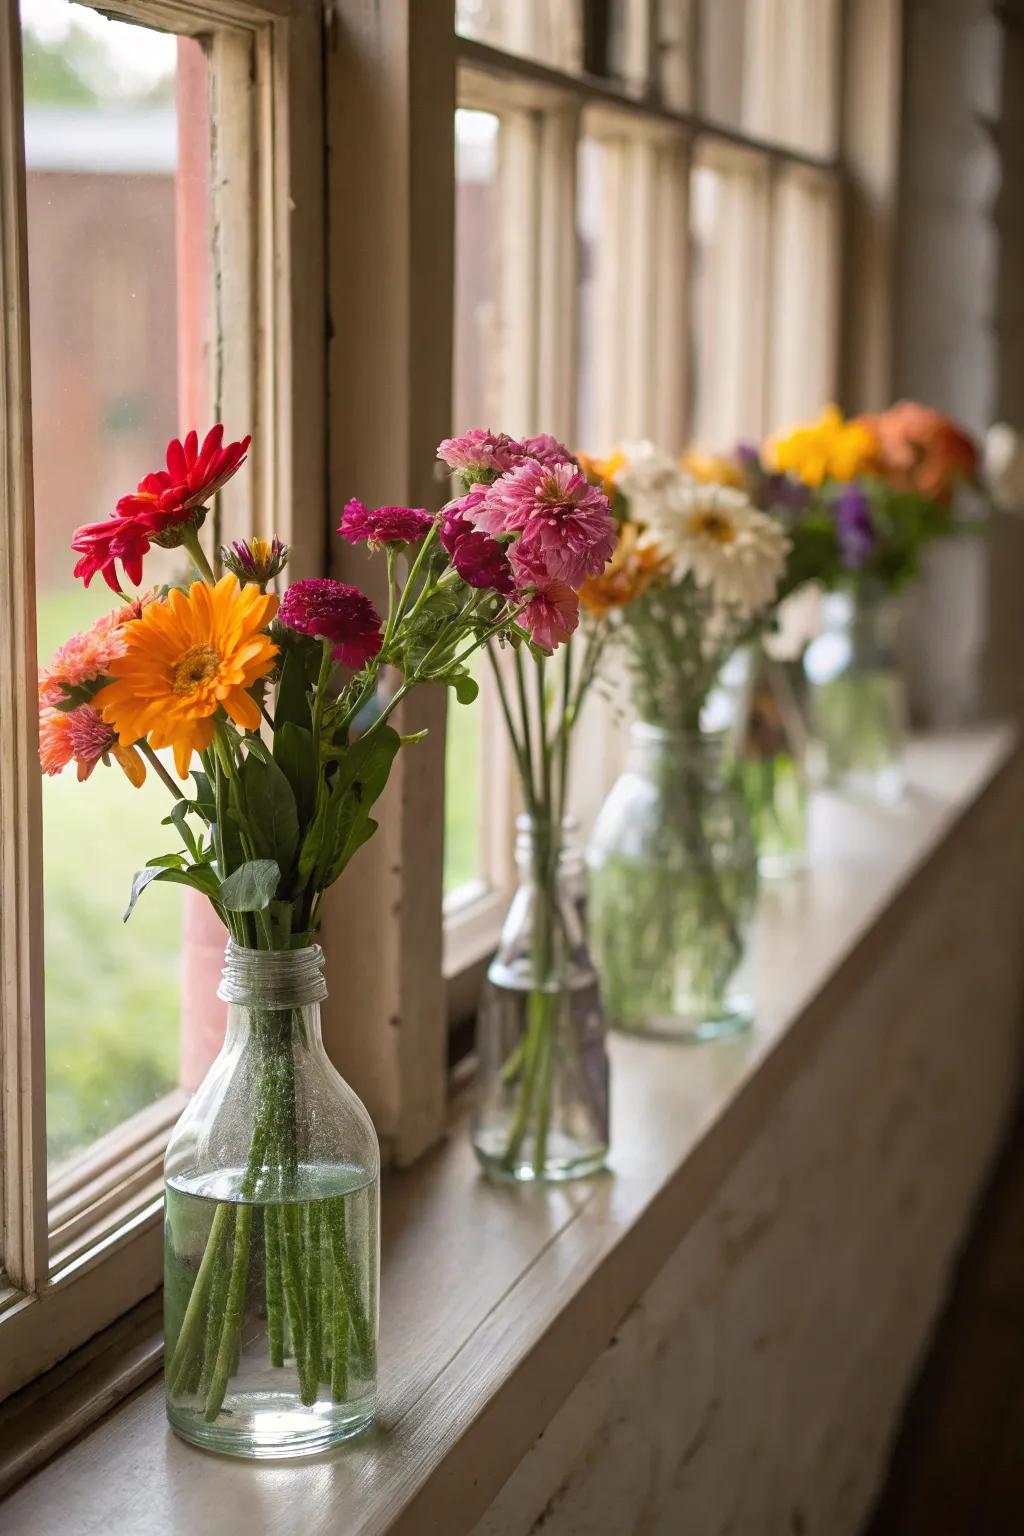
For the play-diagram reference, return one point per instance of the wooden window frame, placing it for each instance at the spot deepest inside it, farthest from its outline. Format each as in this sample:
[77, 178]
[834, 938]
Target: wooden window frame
[642, 343]
[78, 1255]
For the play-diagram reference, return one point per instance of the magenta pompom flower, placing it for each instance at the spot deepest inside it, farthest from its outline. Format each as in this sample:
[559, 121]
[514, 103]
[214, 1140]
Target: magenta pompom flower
[480, 560]
[332, 610]
[548, 450]
[481, 456]
[566, 529]
[383, 525]
[551, 614]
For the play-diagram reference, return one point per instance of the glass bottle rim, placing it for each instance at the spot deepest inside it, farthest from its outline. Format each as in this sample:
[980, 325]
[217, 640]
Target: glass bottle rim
[272, 978]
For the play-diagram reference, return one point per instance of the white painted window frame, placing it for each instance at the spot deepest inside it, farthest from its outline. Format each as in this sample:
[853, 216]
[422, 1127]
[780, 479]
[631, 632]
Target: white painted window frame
[77, 1255]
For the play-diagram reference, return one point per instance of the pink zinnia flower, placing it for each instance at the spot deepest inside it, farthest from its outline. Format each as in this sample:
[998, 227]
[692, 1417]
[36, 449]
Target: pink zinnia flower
[480, 561]
[384, 525]
[551, 615]
[479, 455]
[566, 528]
[548, 450]
[332, 610]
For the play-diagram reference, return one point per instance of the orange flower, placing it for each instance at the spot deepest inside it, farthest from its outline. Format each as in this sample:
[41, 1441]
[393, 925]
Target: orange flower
[636, 562]
[187, 657]
[921, 450]
[713, 469]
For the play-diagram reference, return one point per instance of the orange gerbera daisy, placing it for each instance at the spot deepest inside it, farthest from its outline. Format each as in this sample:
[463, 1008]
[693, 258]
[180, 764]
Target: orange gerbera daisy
[184, 659]
[636, 562]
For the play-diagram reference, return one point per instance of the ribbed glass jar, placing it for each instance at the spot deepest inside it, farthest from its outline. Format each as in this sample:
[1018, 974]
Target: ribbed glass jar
[673, 889]
[271, 1240]
[858, 696]
[542, 1064]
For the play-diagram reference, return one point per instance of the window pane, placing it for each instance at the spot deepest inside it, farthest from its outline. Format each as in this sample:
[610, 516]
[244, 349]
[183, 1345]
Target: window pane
[802, 361]
[771, 69]
[478, 400]
[673, 62]
[590, 436]
[549, 31]
[728, 212]
[117, 277]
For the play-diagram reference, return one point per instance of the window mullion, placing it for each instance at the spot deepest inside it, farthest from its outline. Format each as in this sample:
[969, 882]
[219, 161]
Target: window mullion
[23, 1245]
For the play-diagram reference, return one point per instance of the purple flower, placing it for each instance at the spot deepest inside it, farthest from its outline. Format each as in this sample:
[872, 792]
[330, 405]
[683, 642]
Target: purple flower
[332, 610]
[549, 451]
[258, 560]
[769, 490]
[480, 560]
[481, 456]
[854, 527]
[384, 525]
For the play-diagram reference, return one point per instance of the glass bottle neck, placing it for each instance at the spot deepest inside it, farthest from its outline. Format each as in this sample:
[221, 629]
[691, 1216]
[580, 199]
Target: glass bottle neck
[655, 750]
[273, 993]
[544, 850]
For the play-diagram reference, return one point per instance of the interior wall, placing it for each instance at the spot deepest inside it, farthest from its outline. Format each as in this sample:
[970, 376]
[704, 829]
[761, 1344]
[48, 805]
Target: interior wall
[958, 329]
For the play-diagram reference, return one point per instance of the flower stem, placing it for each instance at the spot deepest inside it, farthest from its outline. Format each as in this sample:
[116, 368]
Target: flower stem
[158, 768]
[190, 540]
[232, 1314]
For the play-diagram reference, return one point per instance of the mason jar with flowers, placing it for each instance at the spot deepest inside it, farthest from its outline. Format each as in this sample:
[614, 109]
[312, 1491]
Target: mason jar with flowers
[882, 488]
[672, 860]
[269, 724]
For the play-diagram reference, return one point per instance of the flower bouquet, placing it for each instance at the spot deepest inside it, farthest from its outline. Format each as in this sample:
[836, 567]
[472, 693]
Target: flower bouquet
[542, 1079]
[673, 874]
[881, 489]
[278, 722]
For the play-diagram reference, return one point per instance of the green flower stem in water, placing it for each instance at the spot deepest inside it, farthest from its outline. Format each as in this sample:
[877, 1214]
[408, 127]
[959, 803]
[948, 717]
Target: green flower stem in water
[310, 1283]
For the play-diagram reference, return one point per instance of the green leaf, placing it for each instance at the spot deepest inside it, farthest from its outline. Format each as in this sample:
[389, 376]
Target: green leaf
[293, 751]
[205, 800]
[199, 877]
[251, 887]
[466, 688]
[167, 861]
[342, 823]
[178, 819]
[292, 707]
[271, 816]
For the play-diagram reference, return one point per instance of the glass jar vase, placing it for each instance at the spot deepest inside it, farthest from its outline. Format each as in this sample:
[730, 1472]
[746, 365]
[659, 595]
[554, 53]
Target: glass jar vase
[271, 1240]
[858, 697]
[542, 1065]
[673, 890]
[770, 749]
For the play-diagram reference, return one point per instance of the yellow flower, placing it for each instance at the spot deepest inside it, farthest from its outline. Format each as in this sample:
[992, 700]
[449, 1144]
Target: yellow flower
[827, 449]
[712, 469]
[602, 472]
[637, 561]
[186, 657]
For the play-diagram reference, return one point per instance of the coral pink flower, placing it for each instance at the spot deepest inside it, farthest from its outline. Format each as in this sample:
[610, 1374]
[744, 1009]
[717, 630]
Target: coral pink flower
[384, 525]
[86, 656]
[551, 615]
[479, 455]
[82, 736]
[480, 560]
[549, 451]
[332, 610]
[566, 528]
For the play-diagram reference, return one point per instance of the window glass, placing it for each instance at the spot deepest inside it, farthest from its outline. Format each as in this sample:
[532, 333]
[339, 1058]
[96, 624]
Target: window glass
[477, 392]
[728, 217]
[589, 200]
[117, 243]
[550, 31]
[802, 359]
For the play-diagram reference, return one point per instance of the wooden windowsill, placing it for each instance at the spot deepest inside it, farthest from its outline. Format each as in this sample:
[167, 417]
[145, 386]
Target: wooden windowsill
[496, 1301]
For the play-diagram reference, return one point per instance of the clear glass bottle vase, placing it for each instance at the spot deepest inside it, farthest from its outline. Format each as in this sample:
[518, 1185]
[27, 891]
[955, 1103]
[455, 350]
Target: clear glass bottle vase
[271, 1242]
[542, 1066]
[770, 752]
[858, 696]
[673, 890]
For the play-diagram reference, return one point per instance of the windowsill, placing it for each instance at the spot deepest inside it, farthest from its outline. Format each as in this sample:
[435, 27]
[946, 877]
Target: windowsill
[496, 1301]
